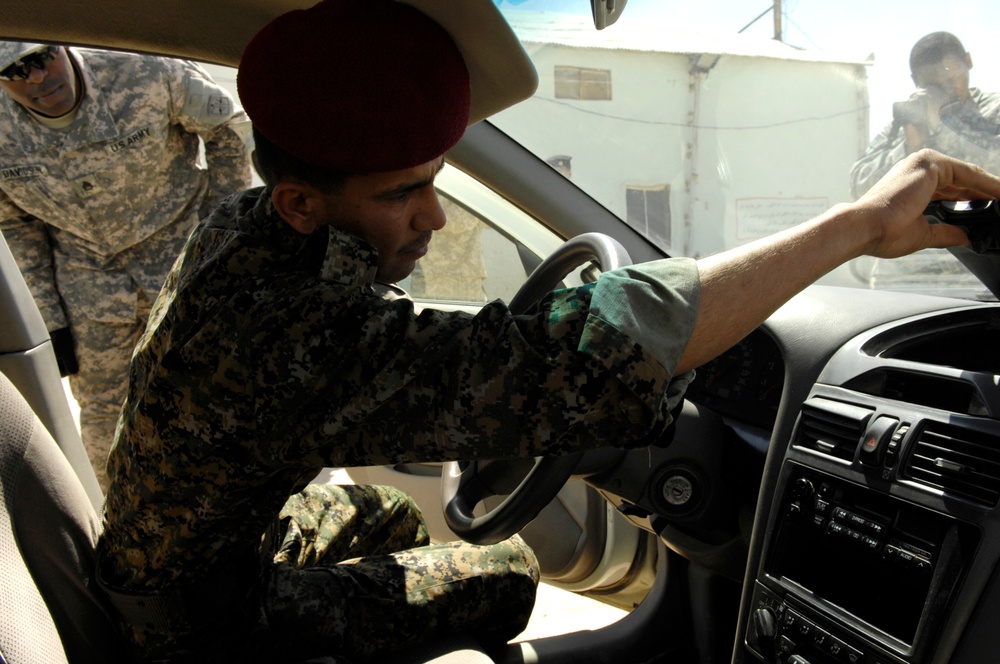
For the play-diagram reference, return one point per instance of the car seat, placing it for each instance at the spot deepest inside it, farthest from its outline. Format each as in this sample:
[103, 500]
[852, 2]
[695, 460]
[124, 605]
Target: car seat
[48, 531]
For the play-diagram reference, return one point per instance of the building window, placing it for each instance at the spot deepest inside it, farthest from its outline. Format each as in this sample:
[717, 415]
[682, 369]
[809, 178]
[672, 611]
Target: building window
[647, 209]
[580, 83]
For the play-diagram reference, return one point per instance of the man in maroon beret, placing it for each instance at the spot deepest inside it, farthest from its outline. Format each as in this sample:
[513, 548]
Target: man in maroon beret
[279, 347]
[256, 373]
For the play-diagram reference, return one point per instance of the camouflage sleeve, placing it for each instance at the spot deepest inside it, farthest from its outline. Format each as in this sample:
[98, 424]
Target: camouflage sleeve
[208, 109]
[882, 154]
[642, 318]
[228, 160]
[442, 386]
[28, 239]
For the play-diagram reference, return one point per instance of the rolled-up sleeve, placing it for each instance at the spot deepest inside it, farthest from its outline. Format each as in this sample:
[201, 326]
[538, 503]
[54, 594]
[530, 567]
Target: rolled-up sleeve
[654, 304]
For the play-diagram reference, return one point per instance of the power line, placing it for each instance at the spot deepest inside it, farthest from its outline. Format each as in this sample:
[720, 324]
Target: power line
[803, 32]
[775, 8]
[664, 123]
[756, 18]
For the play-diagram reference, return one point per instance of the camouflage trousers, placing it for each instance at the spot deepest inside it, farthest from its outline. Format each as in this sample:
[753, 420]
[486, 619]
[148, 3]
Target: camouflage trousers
[104, 350]
[354, 575]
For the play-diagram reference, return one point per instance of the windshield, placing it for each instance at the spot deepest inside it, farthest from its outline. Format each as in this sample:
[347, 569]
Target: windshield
[708, 124]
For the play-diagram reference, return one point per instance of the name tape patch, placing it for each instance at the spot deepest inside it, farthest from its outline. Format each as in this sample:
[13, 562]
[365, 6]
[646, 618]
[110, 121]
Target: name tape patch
[22, 172]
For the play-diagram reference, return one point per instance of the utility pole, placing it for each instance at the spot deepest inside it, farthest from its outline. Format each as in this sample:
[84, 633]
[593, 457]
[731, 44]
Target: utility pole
[777, 20]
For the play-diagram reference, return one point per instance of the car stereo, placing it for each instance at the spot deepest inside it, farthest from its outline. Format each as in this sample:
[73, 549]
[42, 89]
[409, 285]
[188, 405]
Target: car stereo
[852, 574]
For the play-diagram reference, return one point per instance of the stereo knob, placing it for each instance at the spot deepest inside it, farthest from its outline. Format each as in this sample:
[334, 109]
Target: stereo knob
[797, 659]
[802, 488]
[765, 626]
[765, 622]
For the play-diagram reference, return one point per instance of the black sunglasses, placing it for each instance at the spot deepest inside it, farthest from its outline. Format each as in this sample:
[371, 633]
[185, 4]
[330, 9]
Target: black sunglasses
[21, 68]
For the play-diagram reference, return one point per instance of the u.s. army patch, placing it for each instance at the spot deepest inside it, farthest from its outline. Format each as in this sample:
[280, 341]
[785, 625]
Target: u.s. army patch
[128, 141]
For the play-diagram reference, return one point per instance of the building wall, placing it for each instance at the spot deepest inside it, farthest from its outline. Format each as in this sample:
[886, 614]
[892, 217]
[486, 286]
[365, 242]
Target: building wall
[736, 171]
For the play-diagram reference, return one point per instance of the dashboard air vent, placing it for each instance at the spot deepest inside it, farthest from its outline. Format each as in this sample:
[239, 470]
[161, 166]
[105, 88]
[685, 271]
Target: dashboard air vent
[958, 461]
[832, 427]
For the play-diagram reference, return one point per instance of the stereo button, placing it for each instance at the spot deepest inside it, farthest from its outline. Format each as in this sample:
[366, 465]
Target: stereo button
[907, 559]
[843, 652]
[856, 520]
[874, 527]
[852, 656]
[785, 647]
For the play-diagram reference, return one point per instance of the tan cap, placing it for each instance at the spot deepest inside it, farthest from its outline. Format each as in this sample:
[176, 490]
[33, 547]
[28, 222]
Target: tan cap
[13, 51]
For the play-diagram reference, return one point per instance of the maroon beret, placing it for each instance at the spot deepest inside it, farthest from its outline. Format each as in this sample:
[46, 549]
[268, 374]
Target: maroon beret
[359, 86]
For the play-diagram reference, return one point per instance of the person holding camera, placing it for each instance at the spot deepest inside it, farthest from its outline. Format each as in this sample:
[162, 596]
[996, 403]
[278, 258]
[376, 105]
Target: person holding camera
[943, 113]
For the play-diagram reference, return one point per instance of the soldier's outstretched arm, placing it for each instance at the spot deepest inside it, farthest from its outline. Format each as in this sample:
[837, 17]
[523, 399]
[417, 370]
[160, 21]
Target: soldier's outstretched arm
[743, 286]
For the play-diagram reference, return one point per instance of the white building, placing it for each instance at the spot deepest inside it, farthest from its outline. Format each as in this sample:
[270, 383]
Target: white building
[697, 172]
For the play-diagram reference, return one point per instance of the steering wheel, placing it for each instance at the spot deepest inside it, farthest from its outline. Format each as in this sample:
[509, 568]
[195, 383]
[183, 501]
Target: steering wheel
[465, 483]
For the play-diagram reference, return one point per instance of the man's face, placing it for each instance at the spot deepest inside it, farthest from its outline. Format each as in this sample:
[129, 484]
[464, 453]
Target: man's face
[396, 212]
[951, 75]
[49, 90]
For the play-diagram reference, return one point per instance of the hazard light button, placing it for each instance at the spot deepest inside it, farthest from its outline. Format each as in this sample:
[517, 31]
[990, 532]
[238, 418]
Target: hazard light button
[876, 440]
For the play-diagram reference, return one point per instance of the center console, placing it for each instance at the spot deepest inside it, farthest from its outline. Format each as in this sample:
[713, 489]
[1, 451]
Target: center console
[880, 541]
[853, 575]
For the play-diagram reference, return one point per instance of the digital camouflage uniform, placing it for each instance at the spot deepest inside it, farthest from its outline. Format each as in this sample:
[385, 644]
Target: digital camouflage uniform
[270, 355]
[970, 132]
[96, 213]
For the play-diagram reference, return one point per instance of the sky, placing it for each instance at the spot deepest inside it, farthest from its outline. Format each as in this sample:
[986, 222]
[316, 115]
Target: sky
[885, 28]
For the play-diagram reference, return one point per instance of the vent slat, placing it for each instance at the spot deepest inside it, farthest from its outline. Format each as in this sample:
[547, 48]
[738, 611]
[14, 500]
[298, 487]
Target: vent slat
[986, 467]
[957, 461]
[972, 448]
[832, 428]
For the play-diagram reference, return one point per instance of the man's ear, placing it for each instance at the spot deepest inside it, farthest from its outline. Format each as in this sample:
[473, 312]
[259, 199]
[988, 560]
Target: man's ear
[298, 204]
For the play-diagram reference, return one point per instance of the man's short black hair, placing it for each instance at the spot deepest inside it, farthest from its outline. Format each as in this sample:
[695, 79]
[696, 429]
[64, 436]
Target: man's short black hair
[274, 165]
[931, 49]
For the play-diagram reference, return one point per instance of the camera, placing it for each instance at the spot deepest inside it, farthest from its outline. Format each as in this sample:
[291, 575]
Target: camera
[911, 111]
[914, 111]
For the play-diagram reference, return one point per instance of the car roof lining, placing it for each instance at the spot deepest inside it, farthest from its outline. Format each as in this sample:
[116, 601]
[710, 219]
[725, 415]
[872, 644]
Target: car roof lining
[163, 28]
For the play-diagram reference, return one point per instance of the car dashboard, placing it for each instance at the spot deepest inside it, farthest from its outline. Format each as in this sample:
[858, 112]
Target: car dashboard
[876, 536]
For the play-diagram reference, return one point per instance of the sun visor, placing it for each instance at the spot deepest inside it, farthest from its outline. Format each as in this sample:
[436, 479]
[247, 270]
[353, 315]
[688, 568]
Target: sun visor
[500, 72]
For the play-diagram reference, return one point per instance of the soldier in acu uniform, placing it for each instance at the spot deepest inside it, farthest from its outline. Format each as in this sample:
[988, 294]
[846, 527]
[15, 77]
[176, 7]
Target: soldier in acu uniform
[944, 114]
[100, 185]
[279, 346]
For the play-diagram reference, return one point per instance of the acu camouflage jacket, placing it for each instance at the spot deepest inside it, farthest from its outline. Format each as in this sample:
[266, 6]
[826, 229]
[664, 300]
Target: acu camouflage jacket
[126, 168]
